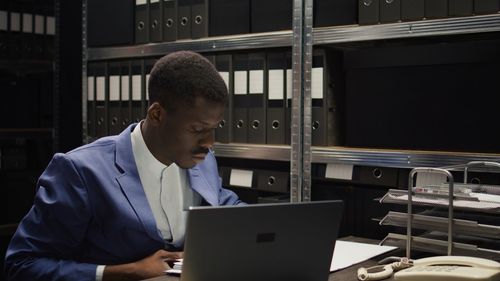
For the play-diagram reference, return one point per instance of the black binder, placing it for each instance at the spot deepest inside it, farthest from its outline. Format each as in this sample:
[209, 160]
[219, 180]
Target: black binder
[155, 20]
[486, 6]
[169, 20]
[257, 97]
[288, 96]
[332, 13]
[114, 110]
[4, 29]
[273, 181]
[141, 21]
[240, 98]
[15, 34]
[412, 10]
[199, 19]
[148, 66]
[368, 11]
[390, 10]
[457, 8]
[106, 30]
[223, 65]
[125, 90]
[235, 22]
[50, 31]
[271, 15]
[101, 100]
[184, 19]
[137, 91]
[27, 50]
[91, 101]
[436, 9]
[39, 31]
[276, 98]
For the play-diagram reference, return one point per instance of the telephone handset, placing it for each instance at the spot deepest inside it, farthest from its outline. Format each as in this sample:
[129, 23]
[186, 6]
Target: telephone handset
[459, 268]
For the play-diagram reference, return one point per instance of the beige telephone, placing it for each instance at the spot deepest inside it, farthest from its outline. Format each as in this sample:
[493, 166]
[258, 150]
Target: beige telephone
[453, 268]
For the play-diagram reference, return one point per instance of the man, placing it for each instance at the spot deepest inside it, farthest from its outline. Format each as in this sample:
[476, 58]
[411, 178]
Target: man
[115, 209]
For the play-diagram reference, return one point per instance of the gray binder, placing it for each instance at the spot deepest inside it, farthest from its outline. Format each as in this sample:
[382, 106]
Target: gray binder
[390, 10]
[276, 97]
[169, 20]
[257, 98]
[368, 11]
[412, 10]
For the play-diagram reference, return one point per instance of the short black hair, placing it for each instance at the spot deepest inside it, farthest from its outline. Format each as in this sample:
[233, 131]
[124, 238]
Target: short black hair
[179, 77]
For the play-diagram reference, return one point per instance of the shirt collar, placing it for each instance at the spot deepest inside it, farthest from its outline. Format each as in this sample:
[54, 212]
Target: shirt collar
[143, 157]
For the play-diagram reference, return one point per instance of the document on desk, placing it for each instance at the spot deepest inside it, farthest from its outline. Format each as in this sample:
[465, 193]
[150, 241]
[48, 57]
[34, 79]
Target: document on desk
[348, 253]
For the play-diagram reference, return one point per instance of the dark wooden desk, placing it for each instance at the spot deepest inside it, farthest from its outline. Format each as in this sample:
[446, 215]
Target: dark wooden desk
[346, 274]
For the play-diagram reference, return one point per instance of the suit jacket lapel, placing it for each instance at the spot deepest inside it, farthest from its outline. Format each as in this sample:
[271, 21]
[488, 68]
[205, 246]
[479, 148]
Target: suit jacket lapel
[200, 184]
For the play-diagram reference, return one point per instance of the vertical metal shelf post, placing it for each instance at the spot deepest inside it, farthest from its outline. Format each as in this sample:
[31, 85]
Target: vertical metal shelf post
[300, 157]
[85, 136]
[55, 79]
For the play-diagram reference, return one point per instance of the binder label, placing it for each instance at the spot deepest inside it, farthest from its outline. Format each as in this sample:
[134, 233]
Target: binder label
[147, 86]
[241, 178]
[225, 77]
[100, 94]
[256, 81]
[240, 82]
[51, 26]
[114, 88]
[339, 171]
[154, 1]
[39, 24]
[317, 83]
[140, 2]
[136, 87]
[125, 91]
[3, 20]
[276, 84]
[15, 22]
[27, 23]
[90, 88]
[289, 80]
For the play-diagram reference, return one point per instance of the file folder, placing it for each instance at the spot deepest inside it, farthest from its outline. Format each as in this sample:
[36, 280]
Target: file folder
[91, 101]
[184, 19]
[368, 11]
[458, 8]
[125, 89]
[337, 12]
[486, 6]
[137, 91]
[199, 19]
[390, 10]
[223, 65]
[276, 100]
[257, 98]
[141, 21]
[169, 20]
[240, 98]
[412, 10]
[114, 111]
[271, 15]
[100, 99]
[155, 20]
[222, 22]
[436, 9]
[106, 30]
[273, 181]
[289, 96]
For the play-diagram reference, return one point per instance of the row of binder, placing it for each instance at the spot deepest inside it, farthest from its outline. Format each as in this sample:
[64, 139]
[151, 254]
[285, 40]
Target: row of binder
[144, 21]
[260, 97]
[383, 11]
[27, 30]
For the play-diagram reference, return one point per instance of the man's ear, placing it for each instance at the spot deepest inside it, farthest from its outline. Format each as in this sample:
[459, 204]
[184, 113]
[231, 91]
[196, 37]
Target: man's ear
[155, 113]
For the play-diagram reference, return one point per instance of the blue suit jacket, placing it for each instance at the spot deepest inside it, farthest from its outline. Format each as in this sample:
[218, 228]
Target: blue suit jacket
[91, 209]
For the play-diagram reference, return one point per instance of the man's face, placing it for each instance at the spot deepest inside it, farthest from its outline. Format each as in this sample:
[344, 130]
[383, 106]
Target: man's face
[187, 133]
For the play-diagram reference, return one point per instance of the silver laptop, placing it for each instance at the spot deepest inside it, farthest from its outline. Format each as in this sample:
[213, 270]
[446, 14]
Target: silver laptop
[264, 242]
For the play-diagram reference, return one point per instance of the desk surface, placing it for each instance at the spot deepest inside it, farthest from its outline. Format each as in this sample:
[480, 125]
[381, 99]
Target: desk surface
[347, 274]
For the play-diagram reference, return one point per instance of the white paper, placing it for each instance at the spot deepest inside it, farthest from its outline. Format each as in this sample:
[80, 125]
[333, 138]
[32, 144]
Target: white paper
[51, 26]
[15, 22]
[256, 82]
[114, 88]
[317, 83]
[90, 88]
[136, 87]
[240, 82]
[27, 23]
[426, 179]
[100, 90]
[339, 171]
[276, 88]
[3, 20]
[349, 253]
[125, 90]
[241, 178]
[147, 86]
[289, 80]
[225, 77]
[444, 202]
[39, 24]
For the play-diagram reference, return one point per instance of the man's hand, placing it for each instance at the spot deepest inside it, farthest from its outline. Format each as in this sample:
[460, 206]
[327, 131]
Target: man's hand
[149, 267]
